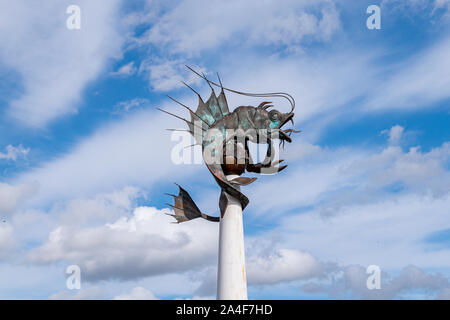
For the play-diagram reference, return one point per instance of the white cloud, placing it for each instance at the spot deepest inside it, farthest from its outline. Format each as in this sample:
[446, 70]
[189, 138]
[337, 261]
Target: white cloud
[90, 293]
[281, 265]
[350, 282]
[7, 239]
[444, 294]
[418, 82]
[319, 84]
[138, 293]
[443, 5]
[332, 178]
[412, 4]
[353, 218]
[55, 63]
[133, 151]
[99, 208]
[341, 183]
[267, 264]
[362, 207]
[187, 29]
[324, 85]
[413, 171]
[32, 225]
[13, 153]
[165, 75]
[394, 134]
[12, 196]
[145, 244]
[127, 248]
[390, 233]
[125, 70]
[439, 9]
[199, 298]
[133, 104]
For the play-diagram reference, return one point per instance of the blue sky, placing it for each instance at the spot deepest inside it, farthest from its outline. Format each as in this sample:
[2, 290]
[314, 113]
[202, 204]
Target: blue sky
[85, 159]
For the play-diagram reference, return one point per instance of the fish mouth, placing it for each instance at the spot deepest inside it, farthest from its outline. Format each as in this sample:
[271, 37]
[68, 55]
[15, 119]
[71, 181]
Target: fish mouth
[284, 134]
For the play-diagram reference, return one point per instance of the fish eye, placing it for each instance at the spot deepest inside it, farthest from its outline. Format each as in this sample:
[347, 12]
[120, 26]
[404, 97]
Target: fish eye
[273, 115]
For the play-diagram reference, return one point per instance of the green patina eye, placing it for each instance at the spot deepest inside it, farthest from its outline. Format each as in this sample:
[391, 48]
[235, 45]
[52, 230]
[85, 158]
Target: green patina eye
[274, 117]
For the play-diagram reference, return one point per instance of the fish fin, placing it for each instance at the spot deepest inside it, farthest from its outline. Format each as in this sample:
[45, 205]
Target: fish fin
[215, 108]
[185, 208]
[242, 181]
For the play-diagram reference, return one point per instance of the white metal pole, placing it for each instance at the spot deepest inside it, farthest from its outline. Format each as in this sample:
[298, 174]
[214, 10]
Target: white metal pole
[231, 277]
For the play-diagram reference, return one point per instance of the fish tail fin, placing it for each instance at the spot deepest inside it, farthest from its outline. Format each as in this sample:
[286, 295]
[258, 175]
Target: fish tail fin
[185, 208]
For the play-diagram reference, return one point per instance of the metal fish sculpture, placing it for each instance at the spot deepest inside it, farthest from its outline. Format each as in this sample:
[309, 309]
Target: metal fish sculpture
[224, 138]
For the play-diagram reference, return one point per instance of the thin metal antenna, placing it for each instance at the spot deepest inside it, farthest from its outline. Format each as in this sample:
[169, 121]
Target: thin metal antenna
[220, 81]
[262, 104]
[285, 95]
[221, 92]
[174, 115]
[169, 194]
[181, 104]
[178, 130]
[191, 89]
[207, 80]
[192, 145]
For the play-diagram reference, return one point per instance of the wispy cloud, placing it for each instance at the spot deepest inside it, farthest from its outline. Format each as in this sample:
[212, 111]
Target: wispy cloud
[133, 104]
[7, 240]
[13, 153]
[187, 29]
[125, 70]
[12, 196]
[419, 82]
[344, 175]
[394, 134]
[135, 150]
[350, 281]
[90, 293]
[165, 75]
[138, 293]
[54, 63]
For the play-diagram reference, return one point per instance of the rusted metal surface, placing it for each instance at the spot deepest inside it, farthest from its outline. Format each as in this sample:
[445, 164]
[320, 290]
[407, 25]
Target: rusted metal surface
[224, 138]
